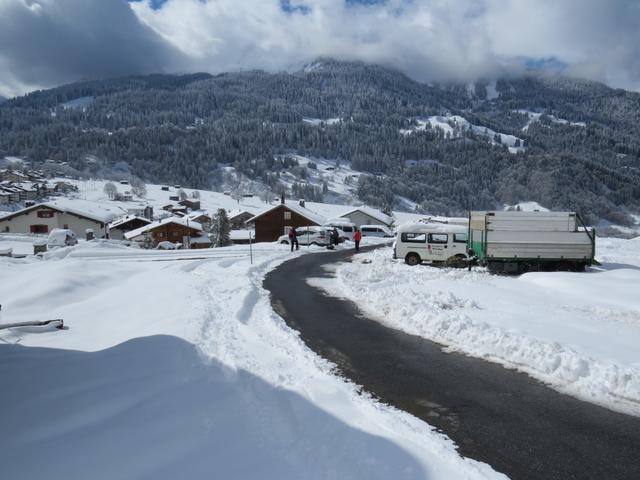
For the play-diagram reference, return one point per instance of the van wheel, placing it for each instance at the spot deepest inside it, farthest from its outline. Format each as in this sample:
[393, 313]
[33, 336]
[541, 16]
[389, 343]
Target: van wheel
[314, 243]
[284, 242]
[412, 259]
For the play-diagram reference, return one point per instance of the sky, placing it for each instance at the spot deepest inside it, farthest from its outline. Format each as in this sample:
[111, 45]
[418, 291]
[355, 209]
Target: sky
[44, 43]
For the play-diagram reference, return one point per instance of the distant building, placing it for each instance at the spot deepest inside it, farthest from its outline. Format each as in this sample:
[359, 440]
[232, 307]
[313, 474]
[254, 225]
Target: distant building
[120, 226]
[42, 218]
[172, 229]
[367, 216]
[278, 220]
[238, 219]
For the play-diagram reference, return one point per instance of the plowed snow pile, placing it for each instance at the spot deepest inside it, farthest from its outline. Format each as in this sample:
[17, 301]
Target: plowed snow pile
[578, 332]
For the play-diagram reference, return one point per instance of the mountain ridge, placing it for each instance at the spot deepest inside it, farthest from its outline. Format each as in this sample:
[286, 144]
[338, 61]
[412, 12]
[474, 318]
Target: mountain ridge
[579, 150]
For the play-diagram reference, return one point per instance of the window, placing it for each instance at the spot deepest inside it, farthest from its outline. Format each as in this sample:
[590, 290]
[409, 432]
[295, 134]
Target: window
[347, 228]
[65, 226]
[413, 237]
[287, 215]
[369, 229]
[6, 229]
[160, 234]
[438, 238]
[45, 214]
[39, 229]
[460, 237]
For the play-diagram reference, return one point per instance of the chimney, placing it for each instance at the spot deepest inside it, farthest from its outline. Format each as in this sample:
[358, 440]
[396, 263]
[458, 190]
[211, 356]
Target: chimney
[301, 202]
[282, 198]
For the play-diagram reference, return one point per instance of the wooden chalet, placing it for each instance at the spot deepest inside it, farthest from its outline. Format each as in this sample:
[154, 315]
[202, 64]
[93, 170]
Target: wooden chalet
[278, 220]
[172, 230]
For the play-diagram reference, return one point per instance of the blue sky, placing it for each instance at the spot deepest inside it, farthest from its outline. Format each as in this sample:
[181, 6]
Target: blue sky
[49, 42]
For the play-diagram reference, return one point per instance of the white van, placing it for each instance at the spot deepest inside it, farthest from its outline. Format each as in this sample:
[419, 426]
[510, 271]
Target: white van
[431, 242]
[375, 231]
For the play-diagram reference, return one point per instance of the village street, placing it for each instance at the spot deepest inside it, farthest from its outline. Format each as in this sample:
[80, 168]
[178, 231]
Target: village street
[495, 415]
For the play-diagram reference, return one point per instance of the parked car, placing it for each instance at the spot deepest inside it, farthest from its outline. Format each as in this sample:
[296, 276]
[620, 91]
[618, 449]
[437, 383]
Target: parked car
[345, 229]
[375, 231]
[309, 236]
[166, 245]
[61, 237]
[432, 242]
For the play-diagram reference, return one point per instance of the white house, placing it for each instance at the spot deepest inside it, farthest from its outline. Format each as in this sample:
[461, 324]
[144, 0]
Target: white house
[367, 216]
[43, 218]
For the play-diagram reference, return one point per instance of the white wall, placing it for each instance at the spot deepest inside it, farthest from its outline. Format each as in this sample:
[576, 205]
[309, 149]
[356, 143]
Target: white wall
[22, 223]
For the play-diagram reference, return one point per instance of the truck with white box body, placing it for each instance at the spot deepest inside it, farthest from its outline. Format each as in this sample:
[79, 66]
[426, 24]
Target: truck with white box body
[518, 242]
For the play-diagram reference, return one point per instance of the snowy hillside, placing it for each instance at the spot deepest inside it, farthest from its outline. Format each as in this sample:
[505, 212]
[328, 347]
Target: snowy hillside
[453, 126]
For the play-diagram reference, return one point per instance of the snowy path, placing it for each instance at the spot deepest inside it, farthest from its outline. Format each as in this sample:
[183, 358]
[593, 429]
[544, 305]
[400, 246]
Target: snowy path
[495, 415]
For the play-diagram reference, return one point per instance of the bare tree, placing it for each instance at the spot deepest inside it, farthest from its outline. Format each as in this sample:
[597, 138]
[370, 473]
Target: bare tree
[182, 195]
[138, 187]
[110, 190]
[195, 194]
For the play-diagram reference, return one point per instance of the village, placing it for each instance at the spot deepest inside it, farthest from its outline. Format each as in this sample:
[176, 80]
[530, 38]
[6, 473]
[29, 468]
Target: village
[164, 217]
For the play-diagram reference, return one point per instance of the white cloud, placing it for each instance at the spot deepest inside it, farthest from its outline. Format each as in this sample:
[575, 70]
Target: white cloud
[45, 42]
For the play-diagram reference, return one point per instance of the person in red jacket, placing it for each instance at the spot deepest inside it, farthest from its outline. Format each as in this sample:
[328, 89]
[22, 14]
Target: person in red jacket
[356, 239]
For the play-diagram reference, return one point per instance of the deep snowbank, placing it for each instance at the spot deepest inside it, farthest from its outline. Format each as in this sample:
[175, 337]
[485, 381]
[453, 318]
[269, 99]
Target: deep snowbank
[244, 398]
[153, 408]
[578, 332]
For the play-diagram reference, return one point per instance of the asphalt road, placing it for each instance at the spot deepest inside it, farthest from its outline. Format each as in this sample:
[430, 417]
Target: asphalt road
[504, 418]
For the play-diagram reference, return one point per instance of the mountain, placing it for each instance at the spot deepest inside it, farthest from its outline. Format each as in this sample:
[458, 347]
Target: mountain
[564, 143]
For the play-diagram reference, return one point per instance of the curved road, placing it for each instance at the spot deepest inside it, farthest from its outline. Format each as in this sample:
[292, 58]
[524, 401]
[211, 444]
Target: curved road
[504, 418]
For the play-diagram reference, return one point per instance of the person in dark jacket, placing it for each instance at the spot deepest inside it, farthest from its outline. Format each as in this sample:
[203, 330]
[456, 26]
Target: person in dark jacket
[293, 239]
[356, 239]
[335, 236]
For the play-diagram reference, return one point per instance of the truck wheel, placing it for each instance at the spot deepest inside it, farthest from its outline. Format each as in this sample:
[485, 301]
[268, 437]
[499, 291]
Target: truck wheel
[456, 261]
[412, 259]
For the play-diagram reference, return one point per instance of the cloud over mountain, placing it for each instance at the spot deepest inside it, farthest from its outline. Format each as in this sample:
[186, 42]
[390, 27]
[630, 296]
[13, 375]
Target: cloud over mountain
[45, 42]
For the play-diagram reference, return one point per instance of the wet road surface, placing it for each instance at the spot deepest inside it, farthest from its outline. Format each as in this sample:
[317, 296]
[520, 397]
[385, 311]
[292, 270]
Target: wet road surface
[515, 424]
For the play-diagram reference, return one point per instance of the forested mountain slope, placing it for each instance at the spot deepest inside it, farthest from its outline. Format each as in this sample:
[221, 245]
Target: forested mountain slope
[568, 144]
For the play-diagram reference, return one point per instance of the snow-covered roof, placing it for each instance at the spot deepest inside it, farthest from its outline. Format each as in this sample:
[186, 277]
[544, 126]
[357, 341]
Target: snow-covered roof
[373, 213]
[432, 228]
[127, 218]
[294, 207]
[80, 208]
[237, 212]
[185, 222]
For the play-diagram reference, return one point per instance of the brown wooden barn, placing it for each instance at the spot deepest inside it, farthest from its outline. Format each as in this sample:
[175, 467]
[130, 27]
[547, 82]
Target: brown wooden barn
[276, 221]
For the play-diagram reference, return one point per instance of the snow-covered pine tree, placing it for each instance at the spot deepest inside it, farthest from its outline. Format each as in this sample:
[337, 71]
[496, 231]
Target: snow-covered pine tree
[220, 229]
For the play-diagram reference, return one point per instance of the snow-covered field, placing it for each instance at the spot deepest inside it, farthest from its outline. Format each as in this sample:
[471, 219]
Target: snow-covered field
[175, 366]
[454, 125]
[578, 332]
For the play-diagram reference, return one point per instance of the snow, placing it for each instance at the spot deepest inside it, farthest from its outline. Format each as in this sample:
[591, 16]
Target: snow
[558, 327]
[179, 368]
[535, 117]
[316, 122]
[455, 125]
[80, 103]
[527, 207]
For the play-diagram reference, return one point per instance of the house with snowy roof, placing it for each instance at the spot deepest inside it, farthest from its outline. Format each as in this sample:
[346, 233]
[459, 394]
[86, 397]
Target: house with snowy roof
[275, 221]
[171, 229]
[367, 216]
[44, 217]
[118, 227]
[238, 218]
